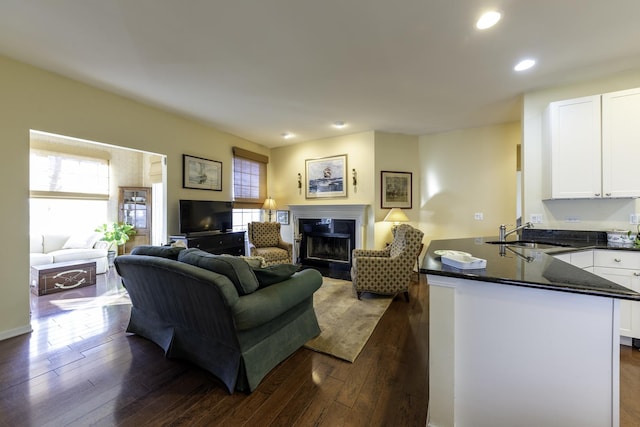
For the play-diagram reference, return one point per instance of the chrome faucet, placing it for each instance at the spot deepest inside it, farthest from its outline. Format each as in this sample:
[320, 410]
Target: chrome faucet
[502, 236]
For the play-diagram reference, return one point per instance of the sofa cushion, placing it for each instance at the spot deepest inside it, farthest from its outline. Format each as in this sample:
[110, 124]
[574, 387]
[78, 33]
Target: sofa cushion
[35, 244]
[64, 255]
[235, 268]
[53, 242]
[169, 252]
[274, 273]
[81, 241]
[39, 259]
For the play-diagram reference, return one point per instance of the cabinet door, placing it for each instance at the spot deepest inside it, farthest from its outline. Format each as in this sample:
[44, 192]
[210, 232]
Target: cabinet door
[628, 311]
[135, 209]
[621, 143]
[573, 145]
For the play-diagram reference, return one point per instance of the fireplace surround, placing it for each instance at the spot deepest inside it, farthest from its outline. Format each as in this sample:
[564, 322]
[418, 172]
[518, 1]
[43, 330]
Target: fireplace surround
[325, 235]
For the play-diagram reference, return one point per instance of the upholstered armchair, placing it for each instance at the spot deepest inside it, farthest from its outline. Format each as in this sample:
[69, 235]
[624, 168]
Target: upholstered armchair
[265, 241]
[387, 271]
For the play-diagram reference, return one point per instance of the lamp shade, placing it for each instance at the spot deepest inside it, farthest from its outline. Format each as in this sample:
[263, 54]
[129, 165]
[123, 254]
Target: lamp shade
[269, 204]
[396, 215]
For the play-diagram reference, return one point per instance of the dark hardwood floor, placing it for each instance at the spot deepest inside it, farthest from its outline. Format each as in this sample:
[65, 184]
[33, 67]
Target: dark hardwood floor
[79, 368]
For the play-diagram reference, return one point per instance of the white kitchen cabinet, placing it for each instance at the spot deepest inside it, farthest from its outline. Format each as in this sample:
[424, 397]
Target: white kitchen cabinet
[591, 145]
[572, 145]
[623, 268]
[581, 259]
[621, 143]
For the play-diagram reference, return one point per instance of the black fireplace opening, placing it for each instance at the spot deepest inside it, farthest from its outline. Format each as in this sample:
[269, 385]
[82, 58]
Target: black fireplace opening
[326, 244]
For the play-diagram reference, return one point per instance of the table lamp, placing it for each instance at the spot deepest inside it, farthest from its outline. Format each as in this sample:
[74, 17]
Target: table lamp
[269, 204]
[396, 216]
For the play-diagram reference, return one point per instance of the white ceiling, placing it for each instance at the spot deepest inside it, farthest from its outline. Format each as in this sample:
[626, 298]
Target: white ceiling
[258, 68]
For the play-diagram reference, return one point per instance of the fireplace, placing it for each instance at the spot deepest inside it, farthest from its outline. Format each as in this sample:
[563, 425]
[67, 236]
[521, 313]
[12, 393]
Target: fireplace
[325, 236]
[326, 242]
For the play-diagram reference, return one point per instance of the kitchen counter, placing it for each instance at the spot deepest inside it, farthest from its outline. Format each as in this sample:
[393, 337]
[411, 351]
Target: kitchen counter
[530, 340]
[529, 267]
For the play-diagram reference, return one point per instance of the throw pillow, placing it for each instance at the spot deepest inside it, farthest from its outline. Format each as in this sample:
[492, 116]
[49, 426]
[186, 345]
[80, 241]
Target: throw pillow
[254, 261]
[235, 268]
[274, 274]
[81, 241]
[159, 251]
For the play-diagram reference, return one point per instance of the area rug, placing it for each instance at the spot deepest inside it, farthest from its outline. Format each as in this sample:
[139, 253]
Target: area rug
[346, 322]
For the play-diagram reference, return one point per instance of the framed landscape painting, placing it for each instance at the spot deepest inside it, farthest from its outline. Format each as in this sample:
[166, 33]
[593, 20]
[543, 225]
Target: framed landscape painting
[326, 177]
[396, 190]
[201, 174]
[282, 217]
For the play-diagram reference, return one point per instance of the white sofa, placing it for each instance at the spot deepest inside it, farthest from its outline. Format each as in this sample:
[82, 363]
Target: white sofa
[53, 248]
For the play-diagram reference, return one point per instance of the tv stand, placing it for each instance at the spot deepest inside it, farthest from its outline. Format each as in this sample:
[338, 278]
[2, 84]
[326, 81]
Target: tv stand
[217, 243]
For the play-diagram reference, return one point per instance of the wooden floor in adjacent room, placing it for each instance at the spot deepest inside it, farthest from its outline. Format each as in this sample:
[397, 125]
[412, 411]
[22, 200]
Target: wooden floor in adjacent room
[79, 368]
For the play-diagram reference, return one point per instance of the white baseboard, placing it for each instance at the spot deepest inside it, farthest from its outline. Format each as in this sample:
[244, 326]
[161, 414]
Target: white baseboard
[15, 332]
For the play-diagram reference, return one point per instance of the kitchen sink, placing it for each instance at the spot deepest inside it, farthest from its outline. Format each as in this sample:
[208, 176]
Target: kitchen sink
[528, 244]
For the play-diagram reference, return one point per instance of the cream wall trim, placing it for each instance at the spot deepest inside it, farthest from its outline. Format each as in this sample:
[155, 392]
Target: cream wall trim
[15, 332]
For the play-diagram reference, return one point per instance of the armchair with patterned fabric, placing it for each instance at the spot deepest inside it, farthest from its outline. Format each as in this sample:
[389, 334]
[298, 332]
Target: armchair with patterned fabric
[265, 241]
[387, 271]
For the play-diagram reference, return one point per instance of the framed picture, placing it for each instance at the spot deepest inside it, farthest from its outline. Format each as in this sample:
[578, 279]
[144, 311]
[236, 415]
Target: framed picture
[396, 190]
[326, 177]
[282, 217]
[201, 174]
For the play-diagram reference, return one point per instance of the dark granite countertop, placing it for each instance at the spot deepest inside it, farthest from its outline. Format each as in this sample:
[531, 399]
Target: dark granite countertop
[529, 267]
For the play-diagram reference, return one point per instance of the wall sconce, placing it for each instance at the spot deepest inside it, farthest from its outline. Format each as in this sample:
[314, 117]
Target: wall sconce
[299, 184]
[354, 175]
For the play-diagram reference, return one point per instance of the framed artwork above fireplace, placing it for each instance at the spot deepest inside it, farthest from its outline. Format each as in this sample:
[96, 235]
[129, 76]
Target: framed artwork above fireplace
[326, 177]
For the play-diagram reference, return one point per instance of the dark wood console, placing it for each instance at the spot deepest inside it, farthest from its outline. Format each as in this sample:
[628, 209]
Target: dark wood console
[215, 243]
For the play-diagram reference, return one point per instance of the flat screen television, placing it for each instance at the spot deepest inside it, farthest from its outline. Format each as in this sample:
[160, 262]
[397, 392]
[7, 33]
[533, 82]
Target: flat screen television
[198, 216]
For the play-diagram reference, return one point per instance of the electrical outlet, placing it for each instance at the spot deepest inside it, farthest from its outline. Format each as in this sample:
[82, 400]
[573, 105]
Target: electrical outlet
[572, 219]
[633, 218]
[535, 218]
[478, 216]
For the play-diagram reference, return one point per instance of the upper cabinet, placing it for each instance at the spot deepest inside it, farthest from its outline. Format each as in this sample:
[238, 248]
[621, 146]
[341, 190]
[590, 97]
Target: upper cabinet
[621, 143]
[591, 145]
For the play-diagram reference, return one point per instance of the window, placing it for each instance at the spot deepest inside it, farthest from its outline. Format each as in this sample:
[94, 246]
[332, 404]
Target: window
[68, 176]
[249, 178]
[249, 187]
[242, 217]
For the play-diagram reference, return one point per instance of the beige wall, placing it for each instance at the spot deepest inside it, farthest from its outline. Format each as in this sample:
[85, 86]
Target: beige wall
[289, 161]
[594, 214]
[36, 99]
[368, 153]
[396, 153]
[464, 172]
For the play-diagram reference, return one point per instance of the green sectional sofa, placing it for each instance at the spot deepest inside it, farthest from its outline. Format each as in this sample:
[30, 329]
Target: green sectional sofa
[236, 321]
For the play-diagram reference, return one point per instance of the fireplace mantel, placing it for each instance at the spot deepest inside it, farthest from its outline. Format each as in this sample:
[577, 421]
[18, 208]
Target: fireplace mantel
[354, 212]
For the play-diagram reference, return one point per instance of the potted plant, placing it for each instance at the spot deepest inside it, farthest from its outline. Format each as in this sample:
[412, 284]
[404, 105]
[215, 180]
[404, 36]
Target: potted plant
[116, 234]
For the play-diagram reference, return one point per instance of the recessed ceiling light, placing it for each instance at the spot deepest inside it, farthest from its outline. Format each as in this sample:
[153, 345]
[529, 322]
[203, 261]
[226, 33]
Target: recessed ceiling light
[525, 64]
[488, 20]
[339, 124]
[287, 135]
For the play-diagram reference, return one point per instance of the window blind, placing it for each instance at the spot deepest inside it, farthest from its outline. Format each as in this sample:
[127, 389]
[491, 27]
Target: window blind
[249, 178]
